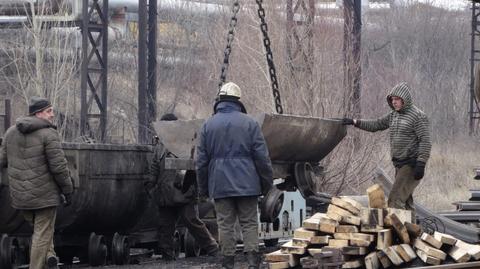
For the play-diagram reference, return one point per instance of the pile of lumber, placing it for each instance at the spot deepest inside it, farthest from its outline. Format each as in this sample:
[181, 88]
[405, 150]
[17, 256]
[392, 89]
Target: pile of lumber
[366, 237]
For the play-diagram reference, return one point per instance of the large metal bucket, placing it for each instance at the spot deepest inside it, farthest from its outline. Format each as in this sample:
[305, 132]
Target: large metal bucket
[289, 138]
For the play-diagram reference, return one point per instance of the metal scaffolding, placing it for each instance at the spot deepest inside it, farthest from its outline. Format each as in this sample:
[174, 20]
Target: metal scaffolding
[94, 69]
[474, 111]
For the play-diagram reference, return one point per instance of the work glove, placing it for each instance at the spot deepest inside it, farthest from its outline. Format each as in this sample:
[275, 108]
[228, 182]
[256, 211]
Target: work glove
[66, 199]
[419, 170]
[347, 121]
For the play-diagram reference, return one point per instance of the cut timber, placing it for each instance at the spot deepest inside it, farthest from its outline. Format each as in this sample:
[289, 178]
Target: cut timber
[321, 223]
[346, 229]
[393, 256]
[352, 201]
[376, 197]
[313, 251]
[278, 265]
[351, 220]
[473, 250]
[429, 250]
[402, 214]
[337, 243]
[445, 238]
[309, 262]
[352, 264]
[278, 256]
[359, 243]
[336, 213]
[458, 254]
[348, 236]
[384, 239]
[372, 216]
[354, 250]
[365, 228]
[300, 242]
[320, 240]
[311, 224]
[413, 230]
[399, 227]
[428, 259]
[431, 240]
[371, 261]
[406, 252]
[383, 258]
[345, 205]
[303, 233]
[288, 248]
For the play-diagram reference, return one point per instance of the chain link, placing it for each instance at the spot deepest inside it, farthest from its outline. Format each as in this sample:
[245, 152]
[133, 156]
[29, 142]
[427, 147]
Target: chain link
[269, 55]
[228, 49]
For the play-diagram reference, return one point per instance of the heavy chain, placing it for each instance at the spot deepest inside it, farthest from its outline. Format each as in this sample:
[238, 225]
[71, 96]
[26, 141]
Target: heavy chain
[271, 65]
[228, 49]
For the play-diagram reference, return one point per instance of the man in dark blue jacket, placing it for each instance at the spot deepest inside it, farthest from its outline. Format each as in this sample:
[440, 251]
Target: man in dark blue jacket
[233, 168]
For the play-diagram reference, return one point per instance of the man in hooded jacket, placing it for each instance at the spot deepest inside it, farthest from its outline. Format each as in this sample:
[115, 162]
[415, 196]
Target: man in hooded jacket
[234, 168]
[39, 179]
[410, 143]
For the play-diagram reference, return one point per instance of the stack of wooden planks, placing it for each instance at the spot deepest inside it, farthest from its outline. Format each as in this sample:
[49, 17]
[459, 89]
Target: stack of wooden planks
[369, 237]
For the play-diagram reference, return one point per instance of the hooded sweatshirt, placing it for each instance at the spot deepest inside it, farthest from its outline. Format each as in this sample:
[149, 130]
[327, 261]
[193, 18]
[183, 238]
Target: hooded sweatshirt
[37, 168]
[409, 129]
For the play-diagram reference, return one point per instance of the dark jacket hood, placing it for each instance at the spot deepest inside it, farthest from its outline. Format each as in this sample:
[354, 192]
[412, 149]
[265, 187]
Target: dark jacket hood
[30, 124]
[228, 106]
[401, 90]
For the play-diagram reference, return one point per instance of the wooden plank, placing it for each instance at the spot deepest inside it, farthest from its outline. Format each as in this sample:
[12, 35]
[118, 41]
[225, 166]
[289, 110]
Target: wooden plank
[366, 228]
[350, 250]
[413, 230]
[309, 262]
[384, 239]
[278, 265]
[300, 242]
[337, 243]
[288, 248]
[278, 256]
[351, 220]
[427, 259]
[348, 236]
[321, 222]
[376, 197]
[459, 254]
[431, 240]
[352, 264]
[398, 227]
[383, 258]
[345, 205]
[429, 250]
[371, 261]
[445, 238]
[372, 216]
[311, 224]
[304, 233]
[473, 250]
[406, 252]
[393, 256]
[336, 213]
[320, 240]
[346, 229]
[359, 243]
[402, 214]
[313, 251]
[352, 201]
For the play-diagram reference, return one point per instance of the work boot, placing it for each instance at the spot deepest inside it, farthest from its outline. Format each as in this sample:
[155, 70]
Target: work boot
[253, 260]
[212, 251]
[52, 262]
[228, 262]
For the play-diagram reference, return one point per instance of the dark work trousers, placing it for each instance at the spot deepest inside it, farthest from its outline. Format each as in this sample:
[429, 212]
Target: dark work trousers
[228, 210]
[43, 223]
[188, 215]
[402, 190]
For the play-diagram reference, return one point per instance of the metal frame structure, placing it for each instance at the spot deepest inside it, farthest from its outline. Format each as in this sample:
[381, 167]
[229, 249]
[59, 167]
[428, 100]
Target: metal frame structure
[474, 110]
[94, 68]
[299, 42]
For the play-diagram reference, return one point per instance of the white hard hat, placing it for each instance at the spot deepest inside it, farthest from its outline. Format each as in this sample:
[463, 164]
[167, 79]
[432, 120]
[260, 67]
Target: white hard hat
[230, 89]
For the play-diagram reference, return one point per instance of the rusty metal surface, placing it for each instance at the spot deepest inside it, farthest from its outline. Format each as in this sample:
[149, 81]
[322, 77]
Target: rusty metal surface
[461, 231]
[289, 138]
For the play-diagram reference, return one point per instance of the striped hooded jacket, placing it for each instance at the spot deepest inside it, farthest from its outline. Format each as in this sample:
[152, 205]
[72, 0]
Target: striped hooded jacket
[409, 129]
